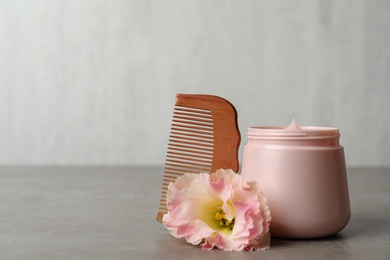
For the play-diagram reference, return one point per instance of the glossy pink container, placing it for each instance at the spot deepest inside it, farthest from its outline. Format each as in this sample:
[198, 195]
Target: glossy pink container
[302, 172]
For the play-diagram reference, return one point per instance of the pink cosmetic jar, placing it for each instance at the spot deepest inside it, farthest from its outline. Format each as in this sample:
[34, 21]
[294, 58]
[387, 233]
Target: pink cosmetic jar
[302, 172]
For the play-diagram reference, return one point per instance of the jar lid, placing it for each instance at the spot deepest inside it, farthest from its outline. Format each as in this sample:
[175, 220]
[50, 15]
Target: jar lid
[294, 132]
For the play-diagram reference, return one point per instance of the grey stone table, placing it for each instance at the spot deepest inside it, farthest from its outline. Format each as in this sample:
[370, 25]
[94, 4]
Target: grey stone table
[109, 213]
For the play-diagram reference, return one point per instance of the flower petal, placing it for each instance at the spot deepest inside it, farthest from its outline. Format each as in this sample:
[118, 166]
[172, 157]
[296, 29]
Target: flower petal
[218, 210]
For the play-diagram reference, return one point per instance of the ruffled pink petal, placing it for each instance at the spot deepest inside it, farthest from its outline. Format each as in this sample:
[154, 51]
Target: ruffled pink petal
[194, 199]
[262, 243]
[229, 210]
[202, 231]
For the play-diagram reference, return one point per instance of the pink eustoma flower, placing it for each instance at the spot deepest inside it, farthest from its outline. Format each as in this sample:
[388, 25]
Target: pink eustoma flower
[218, 210]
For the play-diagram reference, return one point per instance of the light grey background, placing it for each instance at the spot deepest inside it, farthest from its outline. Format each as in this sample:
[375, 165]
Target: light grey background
[93, 82]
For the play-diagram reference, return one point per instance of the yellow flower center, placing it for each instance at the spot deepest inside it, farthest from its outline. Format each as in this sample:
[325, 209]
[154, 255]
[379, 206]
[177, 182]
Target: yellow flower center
[220, 216]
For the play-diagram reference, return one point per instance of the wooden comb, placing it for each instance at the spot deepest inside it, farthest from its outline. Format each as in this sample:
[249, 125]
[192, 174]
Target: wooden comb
[204, 137]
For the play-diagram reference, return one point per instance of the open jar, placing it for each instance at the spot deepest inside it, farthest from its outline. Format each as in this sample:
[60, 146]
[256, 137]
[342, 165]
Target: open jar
[302, 172]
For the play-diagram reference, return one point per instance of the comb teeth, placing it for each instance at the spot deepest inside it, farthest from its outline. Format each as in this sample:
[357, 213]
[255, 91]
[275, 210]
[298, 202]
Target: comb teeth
[204, 138]
[190, 147]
